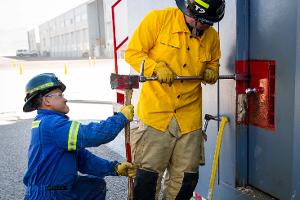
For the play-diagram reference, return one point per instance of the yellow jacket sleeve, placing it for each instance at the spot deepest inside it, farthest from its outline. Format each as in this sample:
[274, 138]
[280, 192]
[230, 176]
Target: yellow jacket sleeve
[141, 43]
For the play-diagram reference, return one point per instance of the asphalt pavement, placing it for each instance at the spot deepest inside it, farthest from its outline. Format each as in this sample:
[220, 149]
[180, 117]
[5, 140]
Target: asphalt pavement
[13, 150]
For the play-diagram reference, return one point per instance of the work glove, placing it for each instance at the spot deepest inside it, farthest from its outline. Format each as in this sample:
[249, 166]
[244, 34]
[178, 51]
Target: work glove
[210, 76]
[127, 111]
[164, 73]
[126, 169]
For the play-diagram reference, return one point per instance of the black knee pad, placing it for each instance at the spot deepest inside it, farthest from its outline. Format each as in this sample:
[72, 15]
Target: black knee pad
[188, 186]
[145, 185]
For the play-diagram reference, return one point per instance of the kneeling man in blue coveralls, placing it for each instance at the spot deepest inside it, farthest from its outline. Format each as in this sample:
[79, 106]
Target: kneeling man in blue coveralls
[57, 147]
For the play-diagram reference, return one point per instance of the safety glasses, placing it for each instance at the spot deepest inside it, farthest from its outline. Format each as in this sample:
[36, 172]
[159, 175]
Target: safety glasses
[60, 95]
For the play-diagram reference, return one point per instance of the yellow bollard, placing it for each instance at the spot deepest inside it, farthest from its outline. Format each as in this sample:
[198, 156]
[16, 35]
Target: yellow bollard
[14, 64]
[90, 60]
[65, 69]
[21, 69]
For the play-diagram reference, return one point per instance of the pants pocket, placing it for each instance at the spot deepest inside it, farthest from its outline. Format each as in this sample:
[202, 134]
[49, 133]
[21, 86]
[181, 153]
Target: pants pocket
[135, 141]
[202, 149]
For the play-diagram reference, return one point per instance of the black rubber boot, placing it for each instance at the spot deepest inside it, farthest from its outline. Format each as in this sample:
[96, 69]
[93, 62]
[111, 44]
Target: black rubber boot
[145, 185]
[188, 186]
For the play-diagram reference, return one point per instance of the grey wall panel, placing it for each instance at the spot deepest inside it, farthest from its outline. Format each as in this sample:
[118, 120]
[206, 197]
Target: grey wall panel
[273, 36]
[227, 93]
[138, 9]
[296, 132]
[221, 99]
[136, 12]
[209, 106]
[242, 53]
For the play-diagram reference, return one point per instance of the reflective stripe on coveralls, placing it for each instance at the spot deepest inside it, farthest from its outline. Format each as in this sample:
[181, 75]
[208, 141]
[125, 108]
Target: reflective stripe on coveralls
[73, 133]
[36, 123]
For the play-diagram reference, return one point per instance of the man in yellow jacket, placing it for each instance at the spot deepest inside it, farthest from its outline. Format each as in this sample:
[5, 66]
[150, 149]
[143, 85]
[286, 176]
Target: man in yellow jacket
[173, 42]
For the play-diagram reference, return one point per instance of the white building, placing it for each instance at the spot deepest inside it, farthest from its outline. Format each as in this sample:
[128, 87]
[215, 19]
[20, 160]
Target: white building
[32, 44]
[81, 32]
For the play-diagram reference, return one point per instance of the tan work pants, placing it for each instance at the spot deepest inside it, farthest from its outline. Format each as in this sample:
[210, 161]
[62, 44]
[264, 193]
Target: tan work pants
[171, 151]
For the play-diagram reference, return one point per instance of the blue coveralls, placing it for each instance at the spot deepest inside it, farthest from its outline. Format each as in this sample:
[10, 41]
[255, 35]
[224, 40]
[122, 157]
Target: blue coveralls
[57, 152]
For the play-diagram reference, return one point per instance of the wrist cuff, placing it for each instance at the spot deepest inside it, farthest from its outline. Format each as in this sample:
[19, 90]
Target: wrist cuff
[115, 165]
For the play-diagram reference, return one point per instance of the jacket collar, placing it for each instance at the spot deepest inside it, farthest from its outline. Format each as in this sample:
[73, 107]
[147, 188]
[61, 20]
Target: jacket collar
[180, 26]
[50, 112]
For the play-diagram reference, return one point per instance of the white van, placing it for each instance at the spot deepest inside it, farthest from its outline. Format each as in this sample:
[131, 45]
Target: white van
[25, 52]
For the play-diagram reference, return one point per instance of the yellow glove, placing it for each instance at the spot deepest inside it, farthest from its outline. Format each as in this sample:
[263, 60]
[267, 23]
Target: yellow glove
[210, 76]
[164, 73]
[127, 111]
[126, 169]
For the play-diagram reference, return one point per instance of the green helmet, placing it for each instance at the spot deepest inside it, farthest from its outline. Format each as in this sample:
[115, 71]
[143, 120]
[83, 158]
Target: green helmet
[205, 11]
[38, 86]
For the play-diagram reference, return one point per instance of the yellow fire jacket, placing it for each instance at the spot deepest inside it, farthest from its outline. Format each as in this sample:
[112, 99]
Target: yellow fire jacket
[164, 36]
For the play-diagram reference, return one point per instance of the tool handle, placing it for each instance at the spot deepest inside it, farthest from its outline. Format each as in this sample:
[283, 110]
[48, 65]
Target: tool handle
[153, 78]
[190, 78]
[127, 97]
[237, 77]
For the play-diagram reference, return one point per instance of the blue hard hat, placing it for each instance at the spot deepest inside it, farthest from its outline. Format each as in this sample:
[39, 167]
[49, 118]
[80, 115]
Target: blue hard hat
[40, 85]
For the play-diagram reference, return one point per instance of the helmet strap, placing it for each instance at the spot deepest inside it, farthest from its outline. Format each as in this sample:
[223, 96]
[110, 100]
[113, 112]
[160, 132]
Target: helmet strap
[194, 31]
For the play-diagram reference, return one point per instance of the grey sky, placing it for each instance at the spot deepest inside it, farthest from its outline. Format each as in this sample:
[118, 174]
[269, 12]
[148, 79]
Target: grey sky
[19, 16]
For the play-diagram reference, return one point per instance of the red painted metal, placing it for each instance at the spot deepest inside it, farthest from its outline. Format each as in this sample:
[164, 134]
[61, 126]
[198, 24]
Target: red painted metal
[114, 34]
[197, 196]
[116, 47]
[261, 105]
[241, 67]
[120, 94]
[124, 82]
[121, 44]
[128, 152]
[120, 97]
